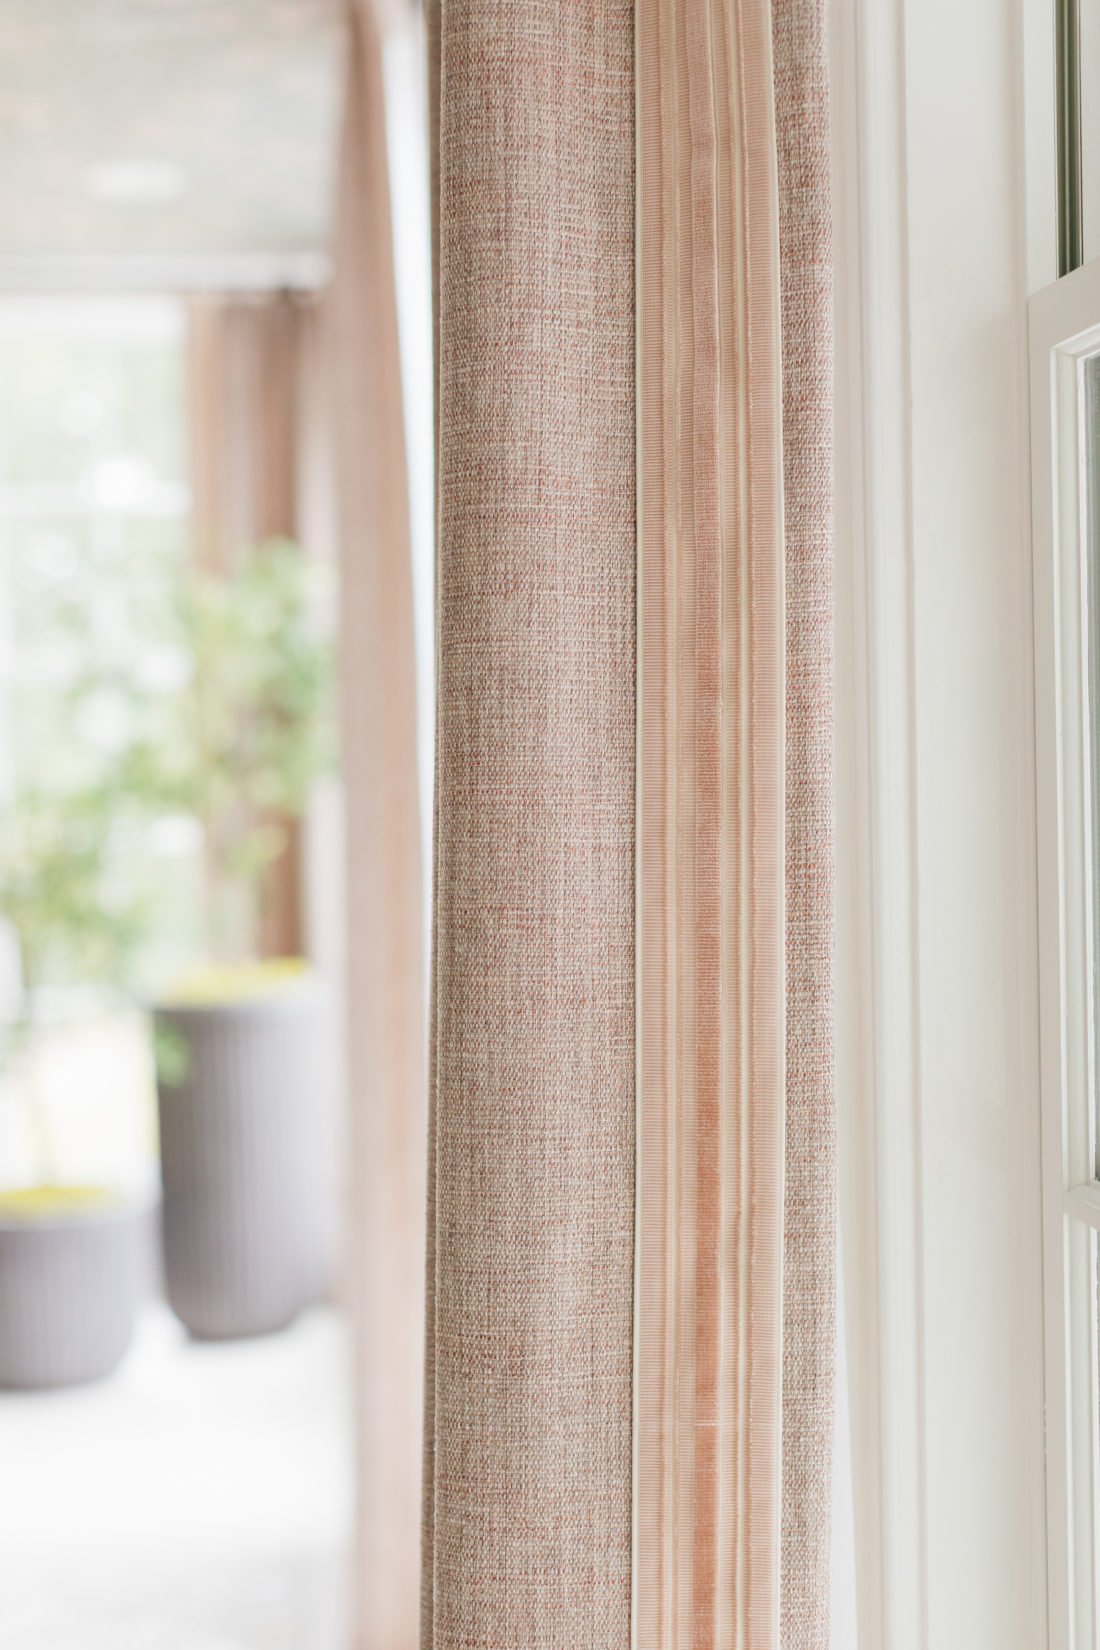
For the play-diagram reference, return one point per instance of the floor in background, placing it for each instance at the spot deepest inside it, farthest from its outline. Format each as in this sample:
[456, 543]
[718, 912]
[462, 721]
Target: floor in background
[199, 1500]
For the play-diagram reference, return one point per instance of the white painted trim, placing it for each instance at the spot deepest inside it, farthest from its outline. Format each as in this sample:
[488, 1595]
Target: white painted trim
[880, 1118]
[1064, 329]
[933, 601]
[1083, 1204]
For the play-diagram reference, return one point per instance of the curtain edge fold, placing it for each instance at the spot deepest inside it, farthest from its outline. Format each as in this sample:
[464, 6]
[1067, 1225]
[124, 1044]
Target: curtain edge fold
[384, 865]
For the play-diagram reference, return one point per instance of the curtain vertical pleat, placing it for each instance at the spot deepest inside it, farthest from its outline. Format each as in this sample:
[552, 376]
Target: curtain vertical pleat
[736, 1162]
[433, 23]
[810, 1238]
[384, 902]
[528, 1534]
[711, 810]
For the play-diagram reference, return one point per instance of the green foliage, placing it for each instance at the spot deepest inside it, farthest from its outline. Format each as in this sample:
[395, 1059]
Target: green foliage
[171, 1055]
[66, 890]
[241, 743]
[256, 725]
[233, 740]
[78, 914]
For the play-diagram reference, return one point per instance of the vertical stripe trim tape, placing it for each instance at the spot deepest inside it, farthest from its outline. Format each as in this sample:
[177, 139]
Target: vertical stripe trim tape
[710, 832]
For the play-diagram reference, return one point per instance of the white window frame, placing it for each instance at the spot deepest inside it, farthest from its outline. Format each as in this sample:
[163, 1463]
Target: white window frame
[1064, 331]
[944, 1536]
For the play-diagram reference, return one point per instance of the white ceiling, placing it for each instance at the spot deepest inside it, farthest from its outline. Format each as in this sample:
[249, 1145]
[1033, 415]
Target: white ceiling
[218, 120]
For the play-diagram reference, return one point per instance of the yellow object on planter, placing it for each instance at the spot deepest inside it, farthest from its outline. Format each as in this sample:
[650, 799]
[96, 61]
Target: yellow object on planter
[74, 1270]
[46, 1202]
[236, 982]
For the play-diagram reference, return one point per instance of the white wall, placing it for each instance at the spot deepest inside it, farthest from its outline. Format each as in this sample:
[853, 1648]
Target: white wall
[945, 217]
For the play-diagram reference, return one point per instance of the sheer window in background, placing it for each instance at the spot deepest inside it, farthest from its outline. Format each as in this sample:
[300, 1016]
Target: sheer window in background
[199, 1498]
[94, 536]
[1083, 21]
[1090, 433]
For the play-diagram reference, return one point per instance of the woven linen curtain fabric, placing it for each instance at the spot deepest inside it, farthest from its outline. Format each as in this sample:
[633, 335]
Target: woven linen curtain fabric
[385, 987]
[632, 1162]
[810, 1196]
[528, 1539]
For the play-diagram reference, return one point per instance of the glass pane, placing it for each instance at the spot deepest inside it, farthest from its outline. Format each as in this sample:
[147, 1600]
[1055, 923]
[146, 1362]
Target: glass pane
[199, 1496]
[94, 536]
[1088, 68]
[94, 530]
[1092, 483]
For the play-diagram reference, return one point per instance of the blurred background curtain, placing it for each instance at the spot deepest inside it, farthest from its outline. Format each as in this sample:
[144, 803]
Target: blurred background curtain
[243, 378]
[631, 1229]
[245, 367]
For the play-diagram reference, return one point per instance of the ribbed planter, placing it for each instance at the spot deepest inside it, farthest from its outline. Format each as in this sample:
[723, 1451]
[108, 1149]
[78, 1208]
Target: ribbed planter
[70, 1287]
[240, 1161]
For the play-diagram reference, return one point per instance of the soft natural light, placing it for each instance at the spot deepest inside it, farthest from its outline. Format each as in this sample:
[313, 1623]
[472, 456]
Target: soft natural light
[201, 1498]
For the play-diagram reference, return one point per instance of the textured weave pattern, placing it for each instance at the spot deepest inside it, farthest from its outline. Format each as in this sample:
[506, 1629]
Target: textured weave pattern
[529, 1542]
[809, 1283]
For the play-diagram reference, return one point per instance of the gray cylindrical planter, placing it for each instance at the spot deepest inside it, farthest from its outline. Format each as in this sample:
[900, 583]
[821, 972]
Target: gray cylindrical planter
[240, 1160]
[70, 1287]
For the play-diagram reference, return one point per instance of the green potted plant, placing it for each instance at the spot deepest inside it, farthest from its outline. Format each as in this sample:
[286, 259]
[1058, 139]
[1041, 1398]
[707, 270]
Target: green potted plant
[238, 1068]
[73, 1258]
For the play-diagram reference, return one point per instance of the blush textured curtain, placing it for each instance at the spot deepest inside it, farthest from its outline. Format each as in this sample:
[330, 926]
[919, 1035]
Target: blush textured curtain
[528, 1517]
[631, 1225]
[801, 77]
[385, 976]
